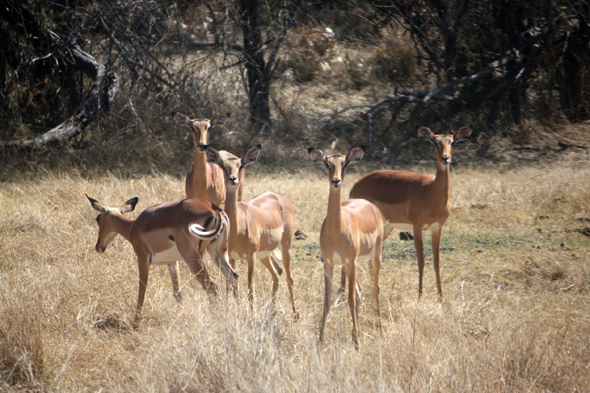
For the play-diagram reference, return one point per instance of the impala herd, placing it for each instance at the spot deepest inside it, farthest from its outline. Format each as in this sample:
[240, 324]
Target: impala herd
[214, 219]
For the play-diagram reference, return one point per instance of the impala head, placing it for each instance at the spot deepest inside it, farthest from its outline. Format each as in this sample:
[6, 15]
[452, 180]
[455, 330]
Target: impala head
[337, 163]
[105, 220]
[444, 142]
[231, 164]
[200, 127]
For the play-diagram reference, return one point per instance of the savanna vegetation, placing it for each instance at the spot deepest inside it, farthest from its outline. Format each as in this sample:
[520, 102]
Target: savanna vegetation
[86, 93]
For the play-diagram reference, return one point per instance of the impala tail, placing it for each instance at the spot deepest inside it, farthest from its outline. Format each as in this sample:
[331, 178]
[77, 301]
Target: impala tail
[218, 223]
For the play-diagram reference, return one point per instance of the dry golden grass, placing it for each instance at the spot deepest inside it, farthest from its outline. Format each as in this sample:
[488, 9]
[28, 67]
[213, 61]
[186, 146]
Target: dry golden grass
[516, 313]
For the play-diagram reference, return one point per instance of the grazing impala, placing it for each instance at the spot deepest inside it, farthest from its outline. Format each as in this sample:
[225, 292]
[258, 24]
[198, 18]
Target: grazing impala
[416, 202]
[203, 179]
[351, 231]
[258, 227]
[164, 234]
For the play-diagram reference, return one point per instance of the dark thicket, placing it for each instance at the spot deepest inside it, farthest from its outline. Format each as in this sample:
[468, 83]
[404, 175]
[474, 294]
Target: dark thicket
[106, 74]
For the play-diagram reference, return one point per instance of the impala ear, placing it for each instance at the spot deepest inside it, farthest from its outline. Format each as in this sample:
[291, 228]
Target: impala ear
[182, 119]
[128, 206]
[316, 155]
[251, 155]
[219, 119]
[213, 156]
[426, 134]
[355, 154]
[96, 205]
[462, 133]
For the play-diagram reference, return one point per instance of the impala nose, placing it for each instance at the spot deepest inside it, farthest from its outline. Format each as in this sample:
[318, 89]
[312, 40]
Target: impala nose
[336, 183]
[233, 181]
[445, 159]
[202, 147]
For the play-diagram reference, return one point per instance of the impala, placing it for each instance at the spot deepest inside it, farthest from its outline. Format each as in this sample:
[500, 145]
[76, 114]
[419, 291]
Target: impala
[203, 179]
[416, 202]
[351, 231]
[259, 227]
[166, 233]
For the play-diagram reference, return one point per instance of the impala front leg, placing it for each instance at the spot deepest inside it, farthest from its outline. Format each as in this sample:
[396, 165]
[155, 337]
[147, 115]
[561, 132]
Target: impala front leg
[251, 277]
[144, 272]
[328, 276]
[420, 255]
[436, 238]
[353, 301]
[232, 264]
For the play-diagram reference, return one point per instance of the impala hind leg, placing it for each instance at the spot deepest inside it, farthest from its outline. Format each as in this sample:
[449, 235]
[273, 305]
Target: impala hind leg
[328, 276]
[276, 266]
[436, 238]
[173, 267]
[420, 255]
[275, 278]
[286, 252]
[221, 259]
[342, 289]
[376, 267]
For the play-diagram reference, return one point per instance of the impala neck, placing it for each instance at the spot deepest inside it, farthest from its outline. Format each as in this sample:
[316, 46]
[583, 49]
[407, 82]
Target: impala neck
[334, 217]
[441, 185]
[231, 209]
[122, 225]
[200, 175]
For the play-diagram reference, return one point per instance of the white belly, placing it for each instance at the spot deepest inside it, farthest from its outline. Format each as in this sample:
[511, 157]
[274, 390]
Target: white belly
[337, 259]
[166, 257]
[363, 258]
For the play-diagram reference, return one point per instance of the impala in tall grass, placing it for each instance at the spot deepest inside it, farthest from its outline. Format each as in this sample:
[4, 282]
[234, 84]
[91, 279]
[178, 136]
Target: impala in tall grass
[352, 231]
[414, 201]
[167, 233]
[258, 228]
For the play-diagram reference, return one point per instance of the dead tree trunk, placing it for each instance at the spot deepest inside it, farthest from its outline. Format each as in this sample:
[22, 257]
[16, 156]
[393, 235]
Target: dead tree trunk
[98, 101]
[257, 73]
